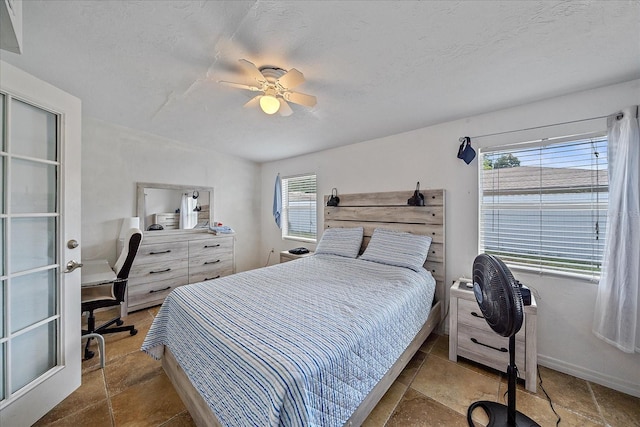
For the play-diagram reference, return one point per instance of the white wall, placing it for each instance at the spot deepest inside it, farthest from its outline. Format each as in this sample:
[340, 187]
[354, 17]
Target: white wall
[428, 155]
[115, 159]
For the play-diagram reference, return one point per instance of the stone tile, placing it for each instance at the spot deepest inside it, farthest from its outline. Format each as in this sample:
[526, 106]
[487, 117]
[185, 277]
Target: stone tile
[441, 347]
[96, 415]
[150, 403]
[453, 385]
[181, 420]
[416, 409]
[154, 310]
[122, 343]
[481, 369]
[537, 408]
[567, 391]
[410, 371]
[383, 410]
[618, 409]
[428, 344]
[129, 370]
[91, 390]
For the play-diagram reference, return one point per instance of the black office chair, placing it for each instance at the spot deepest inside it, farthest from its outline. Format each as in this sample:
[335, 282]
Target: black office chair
[114, 295]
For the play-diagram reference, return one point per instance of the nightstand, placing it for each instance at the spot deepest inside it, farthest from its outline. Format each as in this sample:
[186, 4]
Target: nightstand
[286, 256]
[472, 338]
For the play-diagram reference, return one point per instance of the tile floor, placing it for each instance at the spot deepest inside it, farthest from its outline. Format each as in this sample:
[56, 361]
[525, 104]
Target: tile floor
[133, 390]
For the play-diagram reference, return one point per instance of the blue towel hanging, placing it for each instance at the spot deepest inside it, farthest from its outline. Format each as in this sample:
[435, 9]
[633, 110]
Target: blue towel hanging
[277, 201]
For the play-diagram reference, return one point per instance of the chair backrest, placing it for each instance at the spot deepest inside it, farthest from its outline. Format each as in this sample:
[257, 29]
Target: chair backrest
[131, 245]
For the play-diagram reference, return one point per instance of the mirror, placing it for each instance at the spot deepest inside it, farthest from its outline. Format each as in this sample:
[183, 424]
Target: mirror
[168, 207]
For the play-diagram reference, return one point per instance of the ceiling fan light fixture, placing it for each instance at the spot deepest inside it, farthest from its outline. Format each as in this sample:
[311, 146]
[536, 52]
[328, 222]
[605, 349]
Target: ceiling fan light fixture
[269, 104]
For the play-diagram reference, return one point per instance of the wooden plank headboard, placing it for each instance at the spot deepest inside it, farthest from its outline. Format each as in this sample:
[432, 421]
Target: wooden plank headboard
[390, 210]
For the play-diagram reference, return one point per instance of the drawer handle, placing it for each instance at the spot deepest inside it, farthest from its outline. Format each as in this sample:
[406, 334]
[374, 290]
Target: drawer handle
[212, 262]
[159, 290]
[160, 271]
[211, 278]
[158, 253]
[501, 349]
[212, 246]
[474, 314]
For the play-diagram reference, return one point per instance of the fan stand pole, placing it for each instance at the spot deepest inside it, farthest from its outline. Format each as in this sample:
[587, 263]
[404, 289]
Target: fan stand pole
[512, 374]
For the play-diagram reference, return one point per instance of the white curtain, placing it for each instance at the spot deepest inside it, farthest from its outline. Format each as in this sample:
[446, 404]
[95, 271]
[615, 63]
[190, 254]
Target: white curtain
[188, 218]
[616, 313]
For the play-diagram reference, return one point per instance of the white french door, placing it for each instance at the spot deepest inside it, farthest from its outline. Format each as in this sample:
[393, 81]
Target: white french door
[39, 217]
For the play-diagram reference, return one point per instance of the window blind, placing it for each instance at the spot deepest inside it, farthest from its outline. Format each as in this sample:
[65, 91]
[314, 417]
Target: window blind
[544, 206]
[299, 207]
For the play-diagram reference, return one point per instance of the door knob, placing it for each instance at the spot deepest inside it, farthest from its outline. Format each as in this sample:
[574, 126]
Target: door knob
[72, 244]
[72, 265]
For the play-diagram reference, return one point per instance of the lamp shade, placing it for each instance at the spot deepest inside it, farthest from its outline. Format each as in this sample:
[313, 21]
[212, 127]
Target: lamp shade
[127, 224]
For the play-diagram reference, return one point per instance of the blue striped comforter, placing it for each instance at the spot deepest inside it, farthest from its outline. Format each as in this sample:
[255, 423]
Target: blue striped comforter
[295, 344]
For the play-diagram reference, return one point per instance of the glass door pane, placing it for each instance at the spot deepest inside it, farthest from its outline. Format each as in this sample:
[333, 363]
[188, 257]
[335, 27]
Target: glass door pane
[35, 295]
[32, 243]
[33, 187]
[32, 355]
[33, 131]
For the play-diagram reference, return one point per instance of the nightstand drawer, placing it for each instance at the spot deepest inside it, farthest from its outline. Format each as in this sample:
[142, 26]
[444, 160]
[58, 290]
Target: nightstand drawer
[470, 314]
[488, 348]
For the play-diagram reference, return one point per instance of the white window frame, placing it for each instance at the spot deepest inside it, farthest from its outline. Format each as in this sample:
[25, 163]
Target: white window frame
[312, 210]
[600, 206]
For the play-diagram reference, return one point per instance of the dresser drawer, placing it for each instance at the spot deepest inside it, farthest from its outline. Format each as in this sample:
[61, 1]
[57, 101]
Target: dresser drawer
[210, 270]
[209, 250]
[161, 252]
[488, 348]
[470, 314]
[154, 292]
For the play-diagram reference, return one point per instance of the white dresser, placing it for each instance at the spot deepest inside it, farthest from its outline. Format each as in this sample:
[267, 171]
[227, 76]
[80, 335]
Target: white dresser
[168, 260]
[471, 337]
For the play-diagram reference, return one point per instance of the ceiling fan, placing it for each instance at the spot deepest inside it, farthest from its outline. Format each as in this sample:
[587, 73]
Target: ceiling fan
[275, 85]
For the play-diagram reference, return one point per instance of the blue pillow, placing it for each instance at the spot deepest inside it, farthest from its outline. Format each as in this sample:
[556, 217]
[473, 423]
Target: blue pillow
[397, 248]
[344, 242]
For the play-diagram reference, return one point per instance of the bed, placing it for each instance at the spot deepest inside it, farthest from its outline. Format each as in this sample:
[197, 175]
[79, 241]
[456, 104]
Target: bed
[334, 337]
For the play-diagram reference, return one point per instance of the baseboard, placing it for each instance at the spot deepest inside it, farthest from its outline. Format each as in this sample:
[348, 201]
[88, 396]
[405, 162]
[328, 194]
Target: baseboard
[589, 375]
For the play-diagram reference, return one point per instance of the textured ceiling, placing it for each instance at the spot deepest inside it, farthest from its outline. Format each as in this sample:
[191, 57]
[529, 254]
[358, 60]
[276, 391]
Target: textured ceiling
[377, 68]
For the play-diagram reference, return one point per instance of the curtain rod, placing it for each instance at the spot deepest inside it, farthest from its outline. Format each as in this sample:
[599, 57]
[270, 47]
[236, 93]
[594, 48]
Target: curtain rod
[464, 138]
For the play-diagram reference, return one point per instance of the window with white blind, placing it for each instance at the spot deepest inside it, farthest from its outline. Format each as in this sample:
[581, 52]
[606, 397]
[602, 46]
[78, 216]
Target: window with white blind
[299, 208]
[543, 206]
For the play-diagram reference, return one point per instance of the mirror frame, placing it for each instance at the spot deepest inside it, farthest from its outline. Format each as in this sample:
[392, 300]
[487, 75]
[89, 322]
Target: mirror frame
[141, 186]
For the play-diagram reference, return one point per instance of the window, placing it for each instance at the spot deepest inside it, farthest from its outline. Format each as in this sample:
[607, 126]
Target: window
[543, 205]
[299, 208]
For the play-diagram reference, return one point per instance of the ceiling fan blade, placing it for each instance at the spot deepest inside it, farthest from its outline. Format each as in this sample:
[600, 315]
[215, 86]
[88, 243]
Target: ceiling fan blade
[300, 98]
[253, 102]
[291, 79]
[253, 71]
[285, 110]
[239, 86]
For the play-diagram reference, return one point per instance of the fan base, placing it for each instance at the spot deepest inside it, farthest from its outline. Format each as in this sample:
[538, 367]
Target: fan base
[499, 415]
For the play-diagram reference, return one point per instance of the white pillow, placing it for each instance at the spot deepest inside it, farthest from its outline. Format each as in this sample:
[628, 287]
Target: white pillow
[344, 242]
[397, 248]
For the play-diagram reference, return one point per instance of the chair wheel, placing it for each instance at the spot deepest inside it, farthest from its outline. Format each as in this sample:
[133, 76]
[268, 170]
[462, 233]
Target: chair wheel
[88, 354]
[133, 331]
[119, 322]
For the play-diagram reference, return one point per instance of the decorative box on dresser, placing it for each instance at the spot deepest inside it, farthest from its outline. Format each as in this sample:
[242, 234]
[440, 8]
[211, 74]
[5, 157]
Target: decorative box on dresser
[168, 260]
[288, 256]
[471, 337]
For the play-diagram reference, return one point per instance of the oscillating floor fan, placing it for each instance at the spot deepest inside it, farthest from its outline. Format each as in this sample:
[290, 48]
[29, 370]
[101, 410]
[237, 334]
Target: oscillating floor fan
[499, 299]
